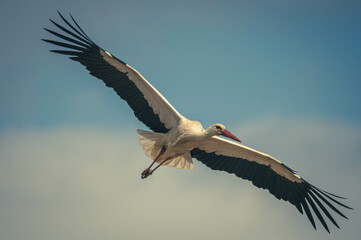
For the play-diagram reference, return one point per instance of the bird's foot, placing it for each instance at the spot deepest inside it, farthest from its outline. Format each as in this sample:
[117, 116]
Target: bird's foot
[146, 173]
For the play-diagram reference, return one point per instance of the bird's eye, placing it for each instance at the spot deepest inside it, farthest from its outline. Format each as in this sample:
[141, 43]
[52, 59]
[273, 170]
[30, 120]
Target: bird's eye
[218, 128]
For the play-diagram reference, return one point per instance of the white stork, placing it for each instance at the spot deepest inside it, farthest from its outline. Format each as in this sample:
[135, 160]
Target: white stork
[175, 140]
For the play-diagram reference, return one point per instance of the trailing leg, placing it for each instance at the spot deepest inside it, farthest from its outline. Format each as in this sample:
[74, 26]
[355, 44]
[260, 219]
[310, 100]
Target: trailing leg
[148, 171]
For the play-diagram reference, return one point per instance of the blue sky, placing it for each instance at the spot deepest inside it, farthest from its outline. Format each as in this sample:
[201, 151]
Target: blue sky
[256, 57]
[283, 75]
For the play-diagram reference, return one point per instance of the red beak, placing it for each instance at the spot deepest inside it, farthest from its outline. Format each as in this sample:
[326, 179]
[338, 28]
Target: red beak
[228, 134]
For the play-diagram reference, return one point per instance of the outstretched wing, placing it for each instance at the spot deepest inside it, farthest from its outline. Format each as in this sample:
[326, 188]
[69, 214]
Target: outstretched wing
[149, 105]
[267, 172]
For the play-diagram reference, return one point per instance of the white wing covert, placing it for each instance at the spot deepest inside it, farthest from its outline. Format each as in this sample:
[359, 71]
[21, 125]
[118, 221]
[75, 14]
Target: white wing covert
[149, 105]
[267, 172]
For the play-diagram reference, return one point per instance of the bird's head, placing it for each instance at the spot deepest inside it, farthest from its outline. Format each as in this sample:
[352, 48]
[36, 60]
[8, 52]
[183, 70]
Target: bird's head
[220, 129]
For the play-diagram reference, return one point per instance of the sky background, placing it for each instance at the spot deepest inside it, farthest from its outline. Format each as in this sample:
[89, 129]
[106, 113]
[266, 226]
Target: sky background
[284, 76]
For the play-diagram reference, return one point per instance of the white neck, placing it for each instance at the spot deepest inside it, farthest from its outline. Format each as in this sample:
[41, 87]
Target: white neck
[209, 132]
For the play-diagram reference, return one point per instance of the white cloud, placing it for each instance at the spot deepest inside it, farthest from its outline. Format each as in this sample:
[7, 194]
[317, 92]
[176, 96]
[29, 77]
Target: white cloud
[85, 184]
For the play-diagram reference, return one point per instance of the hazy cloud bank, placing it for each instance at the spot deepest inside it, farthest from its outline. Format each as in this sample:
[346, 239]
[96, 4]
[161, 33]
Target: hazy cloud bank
[85, 184]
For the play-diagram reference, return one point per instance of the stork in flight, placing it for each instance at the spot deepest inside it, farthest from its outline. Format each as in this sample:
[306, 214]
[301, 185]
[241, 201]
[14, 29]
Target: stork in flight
[175, 140]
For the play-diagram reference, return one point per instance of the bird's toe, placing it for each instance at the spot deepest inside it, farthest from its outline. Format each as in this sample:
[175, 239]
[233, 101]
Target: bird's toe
[146, 173]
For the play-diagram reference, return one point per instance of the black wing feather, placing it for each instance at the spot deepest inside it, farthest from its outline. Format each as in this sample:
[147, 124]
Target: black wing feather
[302, 195]
[79, 47]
